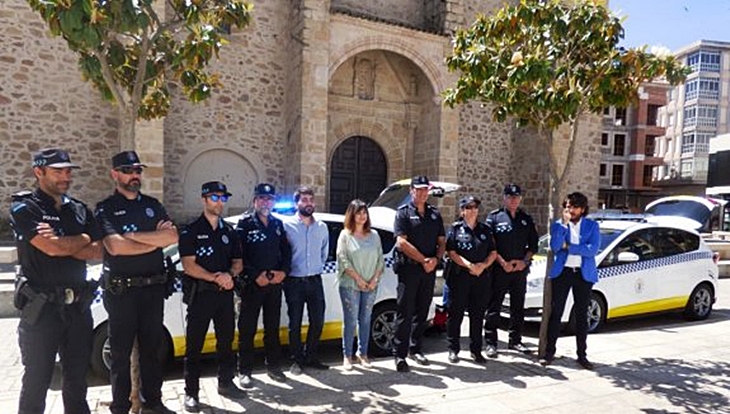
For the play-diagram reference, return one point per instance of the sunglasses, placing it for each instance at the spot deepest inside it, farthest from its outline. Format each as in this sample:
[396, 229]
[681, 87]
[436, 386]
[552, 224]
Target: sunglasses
[130, 170]
[215, 197]
[471, 207]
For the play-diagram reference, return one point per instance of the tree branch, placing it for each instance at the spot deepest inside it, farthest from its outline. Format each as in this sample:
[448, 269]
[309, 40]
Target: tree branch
[141, 74]
[106, 73]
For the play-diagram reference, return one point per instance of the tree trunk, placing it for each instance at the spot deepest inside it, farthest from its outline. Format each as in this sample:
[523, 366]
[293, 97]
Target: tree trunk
[134, 394]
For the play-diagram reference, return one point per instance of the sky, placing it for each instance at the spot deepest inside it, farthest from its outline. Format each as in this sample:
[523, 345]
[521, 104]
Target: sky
[672, 23]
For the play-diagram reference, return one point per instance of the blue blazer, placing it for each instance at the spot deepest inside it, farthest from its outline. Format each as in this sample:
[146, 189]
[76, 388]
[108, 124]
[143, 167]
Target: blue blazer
[590, 241]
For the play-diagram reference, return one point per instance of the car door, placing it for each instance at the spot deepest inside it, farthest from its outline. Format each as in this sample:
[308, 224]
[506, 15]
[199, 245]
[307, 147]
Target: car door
[628, 286]
[677, 271]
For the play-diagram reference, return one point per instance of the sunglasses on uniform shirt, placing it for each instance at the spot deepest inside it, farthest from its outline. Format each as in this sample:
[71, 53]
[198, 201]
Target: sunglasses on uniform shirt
[215, 197]
[130, 170]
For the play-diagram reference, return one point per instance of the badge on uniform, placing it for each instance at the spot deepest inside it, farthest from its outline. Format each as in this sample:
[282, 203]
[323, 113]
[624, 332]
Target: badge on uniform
[524, 223]
[482, 236]
[224, 239]
[433, 216]
[68, 296]
[150, 213]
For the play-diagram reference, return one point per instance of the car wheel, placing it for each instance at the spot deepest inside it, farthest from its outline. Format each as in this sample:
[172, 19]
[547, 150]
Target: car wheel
[699, 304]
[596, 314]
[101, 356]
[382, 329]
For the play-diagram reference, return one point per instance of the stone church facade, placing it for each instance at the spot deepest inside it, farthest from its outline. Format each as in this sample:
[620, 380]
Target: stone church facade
[343, 95]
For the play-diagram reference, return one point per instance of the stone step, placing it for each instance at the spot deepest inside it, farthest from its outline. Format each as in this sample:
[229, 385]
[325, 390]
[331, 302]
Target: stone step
[8, 255]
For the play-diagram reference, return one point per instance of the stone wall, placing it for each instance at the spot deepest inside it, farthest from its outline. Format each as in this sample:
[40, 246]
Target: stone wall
[406, 12]
[45, 103]
[239, 135]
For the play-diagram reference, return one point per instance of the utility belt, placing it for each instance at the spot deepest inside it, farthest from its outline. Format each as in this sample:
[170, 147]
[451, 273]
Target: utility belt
[400, 260]
[191, 287]
[31, 301]
[117, 285]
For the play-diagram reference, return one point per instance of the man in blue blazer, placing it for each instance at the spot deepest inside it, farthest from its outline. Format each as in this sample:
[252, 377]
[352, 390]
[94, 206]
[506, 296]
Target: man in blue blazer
[575, 241]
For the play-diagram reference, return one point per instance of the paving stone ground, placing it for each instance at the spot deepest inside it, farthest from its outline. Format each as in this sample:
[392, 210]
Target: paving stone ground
[659, 365]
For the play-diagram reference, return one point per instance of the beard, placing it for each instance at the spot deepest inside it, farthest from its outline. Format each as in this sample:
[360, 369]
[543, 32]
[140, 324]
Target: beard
[306, 211]
[263, 211]
[133, 185]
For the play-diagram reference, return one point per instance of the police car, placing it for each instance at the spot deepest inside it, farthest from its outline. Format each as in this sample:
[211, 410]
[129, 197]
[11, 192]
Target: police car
[644, 267]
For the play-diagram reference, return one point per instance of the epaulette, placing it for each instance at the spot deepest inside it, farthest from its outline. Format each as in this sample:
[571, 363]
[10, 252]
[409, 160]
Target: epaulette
[20, 195]
[456, 223]
[495, 211]
[404, 206]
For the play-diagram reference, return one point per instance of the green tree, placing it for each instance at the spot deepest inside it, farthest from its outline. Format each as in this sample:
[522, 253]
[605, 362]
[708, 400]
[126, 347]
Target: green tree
[544, 64]
[131, 49]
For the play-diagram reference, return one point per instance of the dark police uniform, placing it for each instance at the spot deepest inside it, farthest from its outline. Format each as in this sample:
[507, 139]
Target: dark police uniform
[415, 286]
[134, 298]
[264, 248]
[62, 327]
[513, 237]
[214, 250]
[468, 292]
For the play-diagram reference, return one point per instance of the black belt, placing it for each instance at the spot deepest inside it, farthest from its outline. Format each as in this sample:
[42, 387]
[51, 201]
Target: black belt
[572, 269]
[137, 281]
[302, 278]
[63, 295]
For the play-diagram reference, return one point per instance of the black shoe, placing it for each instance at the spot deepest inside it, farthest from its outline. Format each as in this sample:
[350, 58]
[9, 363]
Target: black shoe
[156, 409]
[191, 404]
[419, 358]
[245, 381]
[520, 347]
[453, 357]
[316, 364]
[546, 360]
[276, 374]
[296, 369]
[231, 391]
[478, 357]
[491, 351]
[585, 363]
[401, 365]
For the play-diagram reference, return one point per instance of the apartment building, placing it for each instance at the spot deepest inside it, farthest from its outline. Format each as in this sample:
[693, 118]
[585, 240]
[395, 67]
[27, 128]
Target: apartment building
[628, 146]
[697, 111]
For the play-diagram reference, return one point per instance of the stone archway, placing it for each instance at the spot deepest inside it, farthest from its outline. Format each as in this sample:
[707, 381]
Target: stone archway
[226, 166]
[358, 169]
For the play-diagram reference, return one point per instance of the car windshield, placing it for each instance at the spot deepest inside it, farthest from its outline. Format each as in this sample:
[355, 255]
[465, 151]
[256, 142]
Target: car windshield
[682, 208]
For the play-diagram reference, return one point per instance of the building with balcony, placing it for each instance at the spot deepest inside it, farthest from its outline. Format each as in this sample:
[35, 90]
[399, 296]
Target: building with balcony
[628, 147]
[697, 111]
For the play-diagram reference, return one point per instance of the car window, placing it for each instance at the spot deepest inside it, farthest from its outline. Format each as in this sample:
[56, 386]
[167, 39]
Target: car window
[637, 243]
[387, 240]
[674, 241]
[334, 229]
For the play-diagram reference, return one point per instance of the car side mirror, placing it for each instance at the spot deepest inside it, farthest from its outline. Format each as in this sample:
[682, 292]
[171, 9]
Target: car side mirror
[628, 257]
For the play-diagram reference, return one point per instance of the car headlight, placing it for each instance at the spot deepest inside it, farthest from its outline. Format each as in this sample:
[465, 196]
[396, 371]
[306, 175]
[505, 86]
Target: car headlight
[535, 284]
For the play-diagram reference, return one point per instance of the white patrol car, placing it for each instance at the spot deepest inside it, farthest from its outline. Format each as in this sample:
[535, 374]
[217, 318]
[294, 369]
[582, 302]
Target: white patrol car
[382, 216]
[643, 267]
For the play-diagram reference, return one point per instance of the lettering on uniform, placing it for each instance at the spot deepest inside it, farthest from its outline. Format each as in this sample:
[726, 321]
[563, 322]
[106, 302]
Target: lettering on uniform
[118, 213]
[150, 213]
[202, 236]
[51, 218]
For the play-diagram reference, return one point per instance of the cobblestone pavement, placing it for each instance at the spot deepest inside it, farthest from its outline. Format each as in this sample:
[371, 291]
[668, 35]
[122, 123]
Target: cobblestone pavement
[657, 365]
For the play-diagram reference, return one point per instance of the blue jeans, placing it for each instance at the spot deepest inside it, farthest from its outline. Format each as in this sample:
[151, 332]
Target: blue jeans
[299, 291]
[357, 308]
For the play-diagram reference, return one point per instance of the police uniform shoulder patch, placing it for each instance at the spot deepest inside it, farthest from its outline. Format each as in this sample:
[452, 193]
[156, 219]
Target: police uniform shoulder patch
[20, 195]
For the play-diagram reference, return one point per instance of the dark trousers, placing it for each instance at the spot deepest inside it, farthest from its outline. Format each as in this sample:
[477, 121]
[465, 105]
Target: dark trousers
[569, 279]
[216, 306]
[502, 282]
[415, 293]
[470, 293]
[136, 313]
[300, 291]
[66, 330]
[253, 298]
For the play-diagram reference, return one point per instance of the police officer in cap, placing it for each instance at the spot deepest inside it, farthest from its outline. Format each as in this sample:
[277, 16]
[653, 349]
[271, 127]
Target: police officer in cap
[211, 257]
[470, 246]
[516, 239]
[136, 228]
[420, 242]
[55, 235]
[267, 261]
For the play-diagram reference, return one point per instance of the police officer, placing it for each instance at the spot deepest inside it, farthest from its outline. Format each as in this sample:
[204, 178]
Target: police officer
[470, 246]
[267, 260]
[516, 239]
[211, 257]
[55, 235]
[420, 242]
[135, 228]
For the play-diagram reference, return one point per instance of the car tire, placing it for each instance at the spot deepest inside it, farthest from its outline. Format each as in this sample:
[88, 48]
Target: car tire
[596, 314]
[101, 351]
[382, 329]
[699, 305]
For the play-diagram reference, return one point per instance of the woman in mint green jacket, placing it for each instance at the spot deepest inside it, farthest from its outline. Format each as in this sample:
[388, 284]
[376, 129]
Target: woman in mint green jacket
[359, 268]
